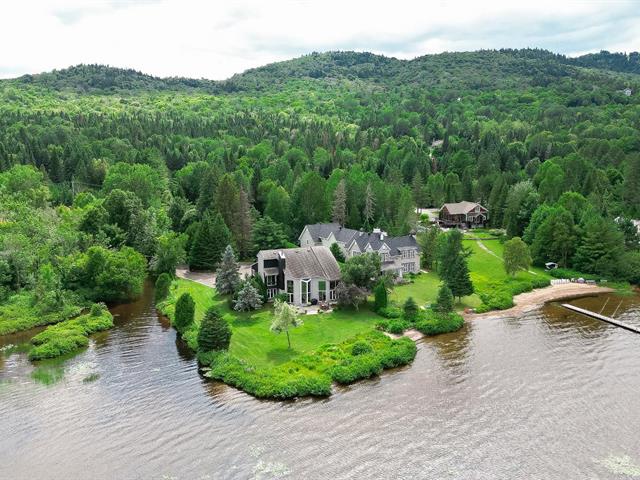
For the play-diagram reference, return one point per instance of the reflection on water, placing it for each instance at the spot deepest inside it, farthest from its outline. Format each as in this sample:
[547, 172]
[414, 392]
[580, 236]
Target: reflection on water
[548, 395]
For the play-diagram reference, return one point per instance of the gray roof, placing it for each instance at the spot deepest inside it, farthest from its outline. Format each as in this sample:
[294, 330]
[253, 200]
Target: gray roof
[323, 230]
[394, 243]
[308, 262]
[460, 208]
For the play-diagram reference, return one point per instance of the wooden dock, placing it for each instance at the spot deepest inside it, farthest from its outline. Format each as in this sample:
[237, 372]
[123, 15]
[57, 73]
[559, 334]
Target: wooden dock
[604, 318]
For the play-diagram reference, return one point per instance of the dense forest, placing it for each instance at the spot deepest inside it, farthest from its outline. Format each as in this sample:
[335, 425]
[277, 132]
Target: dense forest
[106, 173]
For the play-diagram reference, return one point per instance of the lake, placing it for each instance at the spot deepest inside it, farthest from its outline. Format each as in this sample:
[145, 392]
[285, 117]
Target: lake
[551, 395]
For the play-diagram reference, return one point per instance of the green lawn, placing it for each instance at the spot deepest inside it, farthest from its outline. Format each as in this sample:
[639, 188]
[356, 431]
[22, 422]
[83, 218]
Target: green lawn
[253, 341]
[424, 290]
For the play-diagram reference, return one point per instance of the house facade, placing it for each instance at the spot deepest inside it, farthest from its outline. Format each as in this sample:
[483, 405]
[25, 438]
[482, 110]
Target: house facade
[307, 274]
[398, 255]
[463, 214]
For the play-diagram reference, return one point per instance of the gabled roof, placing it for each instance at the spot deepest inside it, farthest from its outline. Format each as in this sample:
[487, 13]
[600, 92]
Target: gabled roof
[307, 262]
[323, 230]
[460, 208]
[394, 243]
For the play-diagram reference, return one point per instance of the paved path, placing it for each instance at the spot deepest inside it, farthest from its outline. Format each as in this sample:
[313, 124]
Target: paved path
[208, 278]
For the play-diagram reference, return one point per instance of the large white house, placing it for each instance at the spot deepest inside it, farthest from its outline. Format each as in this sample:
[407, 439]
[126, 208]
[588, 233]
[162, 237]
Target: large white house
[307, 275]
[398, 255]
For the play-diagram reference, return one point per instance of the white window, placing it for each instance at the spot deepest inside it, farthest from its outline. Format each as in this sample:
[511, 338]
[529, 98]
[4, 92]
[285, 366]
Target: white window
[408, 254]
[271, 280]
[271, 293]
[305, 290]
[383, 257]
[408, 267]
[332, 290]
[290, 291]
[322, 290]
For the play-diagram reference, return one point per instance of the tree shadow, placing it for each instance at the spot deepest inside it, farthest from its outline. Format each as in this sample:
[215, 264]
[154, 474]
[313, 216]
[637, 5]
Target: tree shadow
[282, 354]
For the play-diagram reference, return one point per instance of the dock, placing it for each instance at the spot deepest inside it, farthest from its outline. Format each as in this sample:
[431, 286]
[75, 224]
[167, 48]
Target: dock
[604, 318]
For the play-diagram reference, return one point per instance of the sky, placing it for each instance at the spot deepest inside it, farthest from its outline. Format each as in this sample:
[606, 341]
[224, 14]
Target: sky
[215, 39]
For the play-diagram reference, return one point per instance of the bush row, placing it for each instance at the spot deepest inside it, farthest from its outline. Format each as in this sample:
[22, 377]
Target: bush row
[499, 296]
[66, 337]
[360, 357]
[435, 323]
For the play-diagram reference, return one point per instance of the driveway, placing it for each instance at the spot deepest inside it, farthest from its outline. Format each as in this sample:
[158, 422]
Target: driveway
[209, 278]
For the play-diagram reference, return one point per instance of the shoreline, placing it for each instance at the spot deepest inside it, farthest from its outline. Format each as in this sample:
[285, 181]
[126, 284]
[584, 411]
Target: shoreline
[528, 301]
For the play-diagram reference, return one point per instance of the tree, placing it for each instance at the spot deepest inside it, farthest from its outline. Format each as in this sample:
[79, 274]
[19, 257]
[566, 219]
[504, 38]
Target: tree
[339, 207]
[228, 276]
[362, 270]
[214, 333]
[248, 298]
[516, 256]
[267, 235]
[285, 317]
[555, 238]
[244, 226]
[350, 295]
[460, 281]
[310, 200]
[410, 310]
[522, 200]
[381, 297]
[170, 251]
[337, 252]
[369, 207]
[428, 241]
[184, 312]
[163, 282]
[210, 239]
[601, 246]
[145, 182]
[454, 270]
[444, 302]
[278, 206]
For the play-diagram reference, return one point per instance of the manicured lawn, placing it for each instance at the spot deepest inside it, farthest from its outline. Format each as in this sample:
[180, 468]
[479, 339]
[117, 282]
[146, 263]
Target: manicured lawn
[252, 340]
[424, 290]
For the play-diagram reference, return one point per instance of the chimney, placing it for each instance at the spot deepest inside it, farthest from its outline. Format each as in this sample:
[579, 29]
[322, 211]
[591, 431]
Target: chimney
[382, 235]
[282, 265]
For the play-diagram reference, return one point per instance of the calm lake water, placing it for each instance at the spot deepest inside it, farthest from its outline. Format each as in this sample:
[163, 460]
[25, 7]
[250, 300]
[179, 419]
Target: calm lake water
[551, 395]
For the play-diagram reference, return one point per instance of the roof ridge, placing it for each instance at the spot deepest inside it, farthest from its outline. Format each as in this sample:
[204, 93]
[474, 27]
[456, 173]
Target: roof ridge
[313, 250]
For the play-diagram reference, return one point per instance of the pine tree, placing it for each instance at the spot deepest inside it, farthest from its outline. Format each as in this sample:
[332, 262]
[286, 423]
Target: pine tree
[337, 252]
[244, 226]
[410, 309]
[210, 239]
[369, 207]
[227, 276]
[417, 188]
[248, 298]
[339, 208]
[459, 280]
[184, 311]
[444, 302]
[381, 297]
[214, 333]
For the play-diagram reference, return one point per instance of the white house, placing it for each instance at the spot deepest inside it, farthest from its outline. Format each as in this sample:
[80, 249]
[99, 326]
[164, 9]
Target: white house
[307, 274]
[398, 255]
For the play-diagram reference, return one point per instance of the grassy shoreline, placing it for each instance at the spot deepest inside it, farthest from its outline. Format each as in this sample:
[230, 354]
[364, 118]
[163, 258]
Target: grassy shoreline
[20, 312]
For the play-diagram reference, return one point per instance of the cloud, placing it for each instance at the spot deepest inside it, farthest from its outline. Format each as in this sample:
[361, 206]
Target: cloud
[215, 39]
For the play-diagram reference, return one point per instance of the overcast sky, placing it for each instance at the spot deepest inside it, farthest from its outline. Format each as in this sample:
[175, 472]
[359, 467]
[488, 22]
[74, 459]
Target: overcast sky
[215, 39]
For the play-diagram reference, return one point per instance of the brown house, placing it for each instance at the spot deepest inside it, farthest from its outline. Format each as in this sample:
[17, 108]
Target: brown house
[463, 214]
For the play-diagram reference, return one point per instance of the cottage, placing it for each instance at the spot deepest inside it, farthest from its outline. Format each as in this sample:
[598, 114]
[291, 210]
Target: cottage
[398, 255]
[307, 275]
[627, 92]
[463, 214]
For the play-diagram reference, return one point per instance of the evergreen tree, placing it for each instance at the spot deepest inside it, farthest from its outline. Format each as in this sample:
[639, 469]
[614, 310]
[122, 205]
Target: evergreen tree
[369, 207]
[410, 310]
[208, 186]
[337, 252]
[381, 298]
[214, 333]
[248, 298]
[184, 312]
[417, 189]
[339, 207]
[267, 235]
[459, 280]
[601, 246]
[444, 302]
[261, 287]
[210, 239]
[227, 276]
[244, 226]
[163, 282]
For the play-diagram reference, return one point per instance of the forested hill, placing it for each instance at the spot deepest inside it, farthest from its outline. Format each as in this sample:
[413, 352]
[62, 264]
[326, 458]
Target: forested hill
[101, 168]
[484, 69]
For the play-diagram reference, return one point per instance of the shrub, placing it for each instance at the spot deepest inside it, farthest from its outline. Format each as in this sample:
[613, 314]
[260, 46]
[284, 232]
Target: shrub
[66, 337]
[214, 333]
[97, 309]
[437, 323]
[381, 297]
[162, 286]
[444, 303]
[391, 311]
[397, 326]
[361, 347]
[410, 310]
[184, 312]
